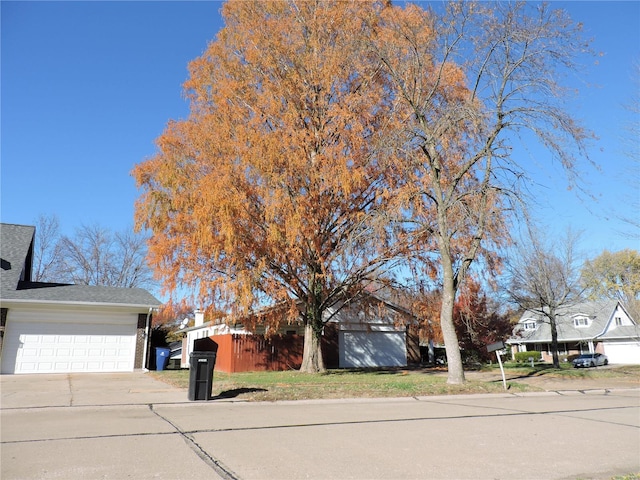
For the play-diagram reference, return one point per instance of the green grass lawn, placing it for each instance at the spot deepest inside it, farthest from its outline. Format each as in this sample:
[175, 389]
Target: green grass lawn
[566, 370]
[293, 385]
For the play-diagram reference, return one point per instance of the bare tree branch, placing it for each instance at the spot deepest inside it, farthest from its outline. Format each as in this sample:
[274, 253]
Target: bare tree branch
[46, 254]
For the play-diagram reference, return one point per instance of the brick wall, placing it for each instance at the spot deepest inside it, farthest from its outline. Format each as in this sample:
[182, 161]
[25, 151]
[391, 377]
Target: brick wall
[3, 323]
[140, 336]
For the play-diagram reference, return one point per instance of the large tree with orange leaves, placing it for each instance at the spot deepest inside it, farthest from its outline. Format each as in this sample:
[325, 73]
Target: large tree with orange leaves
[469, 79]
[272, 190]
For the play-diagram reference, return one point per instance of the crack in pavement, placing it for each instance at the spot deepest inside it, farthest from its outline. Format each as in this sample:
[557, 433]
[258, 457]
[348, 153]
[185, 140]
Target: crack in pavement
[499, 412]
[187, 433]
[70, 390]
[215, 464]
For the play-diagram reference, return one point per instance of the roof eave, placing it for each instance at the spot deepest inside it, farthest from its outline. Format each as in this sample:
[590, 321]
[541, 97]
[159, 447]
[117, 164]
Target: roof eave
[34, 302]
[198, 327]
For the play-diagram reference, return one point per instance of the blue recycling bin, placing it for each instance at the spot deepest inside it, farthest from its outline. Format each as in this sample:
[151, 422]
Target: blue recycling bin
[162, 357]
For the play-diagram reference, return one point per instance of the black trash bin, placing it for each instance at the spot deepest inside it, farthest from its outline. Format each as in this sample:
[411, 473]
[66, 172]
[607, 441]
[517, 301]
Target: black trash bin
[201, 375]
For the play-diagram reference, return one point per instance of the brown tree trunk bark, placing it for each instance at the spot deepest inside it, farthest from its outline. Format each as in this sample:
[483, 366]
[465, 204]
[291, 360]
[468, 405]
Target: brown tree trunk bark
[312, 361]
[454, 359]
[554, 340]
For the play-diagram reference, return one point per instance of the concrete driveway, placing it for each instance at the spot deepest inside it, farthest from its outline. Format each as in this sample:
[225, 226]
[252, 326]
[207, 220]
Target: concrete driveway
[114, 426]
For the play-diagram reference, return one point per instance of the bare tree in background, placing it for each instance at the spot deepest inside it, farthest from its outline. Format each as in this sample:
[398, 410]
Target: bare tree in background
[46, 251]
[88, 256]
[131, 253]
[473, 80]
[543, 277]
[97, 256]
[94, 255]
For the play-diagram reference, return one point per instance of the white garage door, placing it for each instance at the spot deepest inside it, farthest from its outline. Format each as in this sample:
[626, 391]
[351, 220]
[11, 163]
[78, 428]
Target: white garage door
[372, 349]
[31, 347]
[622, 352]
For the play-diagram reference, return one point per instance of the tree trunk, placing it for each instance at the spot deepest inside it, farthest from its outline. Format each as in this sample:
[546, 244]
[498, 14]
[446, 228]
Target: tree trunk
[452, 347]
[554, 340]
[312, 361]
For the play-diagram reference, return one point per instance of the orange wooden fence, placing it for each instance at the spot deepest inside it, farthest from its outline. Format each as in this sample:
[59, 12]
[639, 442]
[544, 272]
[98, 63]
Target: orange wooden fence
[245, 353]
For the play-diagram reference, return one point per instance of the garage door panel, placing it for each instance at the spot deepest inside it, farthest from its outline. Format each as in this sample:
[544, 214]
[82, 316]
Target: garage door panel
[58, 366]
[32, 347]
[29, 366]
[372, 349]
[623, 352]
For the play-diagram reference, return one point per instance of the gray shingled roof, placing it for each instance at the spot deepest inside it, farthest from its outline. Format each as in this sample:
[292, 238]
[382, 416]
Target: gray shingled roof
[599, 312]
[622, 331]
[15, 242]
[82, 294]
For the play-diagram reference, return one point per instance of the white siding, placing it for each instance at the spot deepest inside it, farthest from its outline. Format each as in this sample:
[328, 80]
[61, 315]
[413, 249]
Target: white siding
[192, 336]
[624, 320]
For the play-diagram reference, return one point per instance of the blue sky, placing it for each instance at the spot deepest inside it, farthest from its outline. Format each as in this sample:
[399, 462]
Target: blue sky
[86, 89]
[88, 86]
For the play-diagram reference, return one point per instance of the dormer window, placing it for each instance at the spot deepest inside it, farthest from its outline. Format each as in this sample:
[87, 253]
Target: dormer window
[580, 322]
[529, 325]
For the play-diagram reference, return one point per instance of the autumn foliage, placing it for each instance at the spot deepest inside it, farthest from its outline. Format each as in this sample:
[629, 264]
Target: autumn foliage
[270, 191]
[171, 313]
[327, 142]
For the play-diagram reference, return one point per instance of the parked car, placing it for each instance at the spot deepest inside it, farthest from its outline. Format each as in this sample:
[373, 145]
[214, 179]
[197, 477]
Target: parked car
[590, 360]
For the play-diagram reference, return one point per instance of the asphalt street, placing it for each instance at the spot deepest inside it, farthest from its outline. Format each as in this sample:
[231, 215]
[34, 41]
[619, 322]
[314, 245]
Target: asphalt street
[115, 426]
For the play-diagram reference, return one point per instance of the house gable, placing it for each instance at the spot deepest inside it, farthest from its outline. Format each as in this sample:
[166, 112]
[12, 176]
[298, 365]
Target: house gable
[618, 318]
[620, 326]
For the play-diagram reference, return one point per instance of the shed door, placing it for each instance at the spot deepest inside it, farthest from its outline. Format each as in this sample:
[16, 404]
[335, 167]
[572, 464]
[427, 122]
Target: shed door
[372, 349]
[622, 352]
[31, 347]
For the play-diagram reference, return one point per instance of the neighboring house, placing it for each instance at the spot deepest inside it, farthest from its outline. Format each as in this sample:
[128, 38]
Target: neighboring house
[377, 335]
[175, 355]
[60, 328]
[199, 330]
[600, 327]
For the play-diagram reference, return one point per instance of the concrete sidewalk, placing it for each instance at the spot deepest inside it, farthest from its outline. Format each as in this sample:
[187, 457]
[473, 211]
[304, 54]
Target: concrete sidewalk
[77, 389]
[117, 426]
